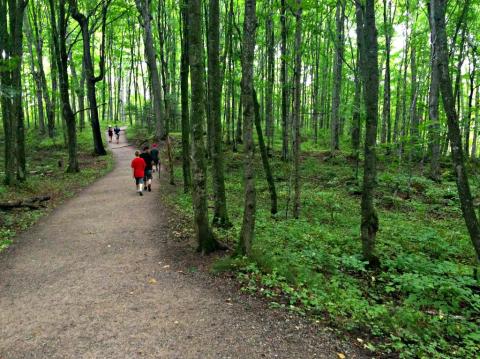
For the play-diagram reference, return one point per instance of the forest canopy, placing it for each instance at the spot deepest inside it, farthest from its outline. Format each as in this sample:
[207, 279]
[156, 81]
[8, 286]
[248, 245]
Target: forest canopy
[332, 144]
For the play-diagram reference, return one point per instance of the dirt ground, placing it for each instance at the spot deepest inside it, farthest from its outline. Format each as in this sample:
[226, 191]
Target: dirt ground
[102, 277]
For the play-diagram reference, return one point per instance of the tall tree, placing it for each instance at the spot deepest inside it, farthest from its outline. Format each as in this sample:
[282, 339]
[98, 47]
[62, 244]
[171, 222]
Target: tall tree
[366, 30]
[297, 108]
[438, 28]
[11, 53]
[143, 7]
[249, 33]
[220, 214]
[337, 75]
[206, 241]
[91, 79]
[184, 99]
[433, 102]
[59, 31]
[284, 80]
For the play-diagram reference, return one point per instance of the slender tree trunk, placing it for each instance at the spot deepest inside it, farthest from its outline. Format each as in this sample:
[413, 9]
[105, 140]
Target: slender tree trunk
[249, 209]
[476, 126]
[337, 77]
[90, 77]
[206, 240]
[36, 77]
[297, 109]
[468, 117]
[264, 154]
[60, 49]
[270, 41]
[433, 102]
[220, 214]
[49, 105]
[437, 10]
[284, 79]
[187, 180]
[369, 64]
[143, 7]
[386, 119]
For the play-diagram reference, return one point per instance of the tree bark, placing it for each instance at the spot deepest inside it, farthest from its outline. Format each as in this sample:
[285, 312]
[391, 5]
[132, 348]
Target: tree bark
[297, 109]
[143, 7]
[437, 10]
[220, 213]
[369, 65]
[249, 209]
[206, 240]
[60, 53]
[90, 77]
[337, 77]
[187, 180]
[284, 79]
[433, 102]
[386, 116]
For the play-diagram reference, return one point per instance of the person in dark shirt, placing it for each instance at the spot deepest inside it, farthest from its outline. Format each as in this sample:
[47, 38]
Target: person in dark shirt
[155, 156]
[147, 157]
[116, 129]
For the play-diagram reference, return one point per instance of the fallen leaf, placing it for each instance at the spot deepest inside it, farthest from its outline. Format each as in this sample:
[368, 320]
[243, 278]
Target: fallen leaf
[152, 281]
[341, 356]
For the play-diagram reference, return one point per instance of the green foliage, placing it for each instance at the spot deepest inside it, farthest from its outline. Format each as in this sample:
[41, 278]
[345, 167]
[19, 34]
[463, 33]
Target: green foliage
[423, 302]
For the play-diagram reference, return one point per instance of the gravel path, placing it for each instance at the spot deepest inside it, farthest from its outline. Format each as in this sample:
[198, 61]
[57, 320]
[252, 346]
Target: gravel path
[101, 277]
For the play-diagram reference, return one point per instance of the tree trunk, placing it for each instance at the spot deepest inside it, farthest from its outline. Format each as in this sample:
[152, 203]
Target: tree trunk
[91, 80]
[297, 109]
[60, 53]
[369, 65]
[270, 41]
[433, 101]
[386, 117]
[337, 77]
[206, 240]
[187, 180]
[143, 7]
[249, 209]
[264, 154]
[437, 10]
[36, 77]
[476, 126]
[284, 79]
[220, 214]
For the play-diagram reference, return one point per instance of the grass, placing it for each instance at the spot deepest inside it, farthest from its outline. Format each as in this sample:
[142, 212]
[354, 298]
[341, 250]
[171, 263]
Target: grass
[46, 177]
[423, 302]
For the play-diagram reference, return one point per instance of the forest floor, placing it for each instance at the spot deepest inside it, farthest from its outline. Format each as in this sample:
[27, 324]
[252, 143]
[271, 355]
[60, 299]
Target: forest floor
[109, 274]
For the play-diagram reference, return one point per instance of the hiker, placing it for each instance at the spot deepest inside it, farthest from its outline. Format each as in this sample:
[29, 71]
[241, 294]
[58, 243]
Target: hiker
[147, 157]
[155, 156]
[138, 165]
[110, 133]
[117, 133]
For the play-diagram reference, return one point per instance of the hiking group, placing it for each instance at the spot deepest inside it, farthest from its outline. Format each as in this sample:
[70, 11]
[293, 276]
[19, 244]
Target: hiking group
[111, 130]
[143, 166]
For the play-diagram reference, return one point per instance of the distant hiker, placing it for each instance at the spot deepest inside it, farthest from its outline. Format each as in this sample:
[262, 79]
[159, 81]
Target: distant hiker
[110, 133]
[138, 165]
[155, 156]
[147, 157]
[117, 133]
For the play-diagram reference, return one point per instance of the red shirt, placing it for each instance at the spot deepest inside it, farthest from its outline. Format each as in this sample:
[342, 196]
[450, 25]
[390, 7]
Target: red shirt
[138, 165]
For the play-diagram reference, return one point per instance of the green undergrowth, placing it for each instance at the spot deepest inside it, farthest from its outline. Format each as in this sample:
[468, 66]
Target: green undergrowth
[423, 302]
[46, 161]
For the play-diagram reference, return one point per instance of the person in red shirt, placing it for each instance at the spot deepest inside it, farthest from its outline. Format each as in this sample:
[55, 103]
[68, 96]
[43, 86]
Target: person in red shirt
[138, 165]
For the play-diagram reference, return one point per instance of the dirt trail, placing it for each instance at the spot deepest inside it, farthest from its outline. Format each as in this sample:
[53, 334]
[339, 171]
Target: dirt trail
[95, 279]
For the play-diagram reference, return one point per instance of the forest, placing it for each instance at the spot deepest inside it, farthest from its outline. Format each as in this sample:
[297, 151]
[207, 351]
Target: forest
[332, 147]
